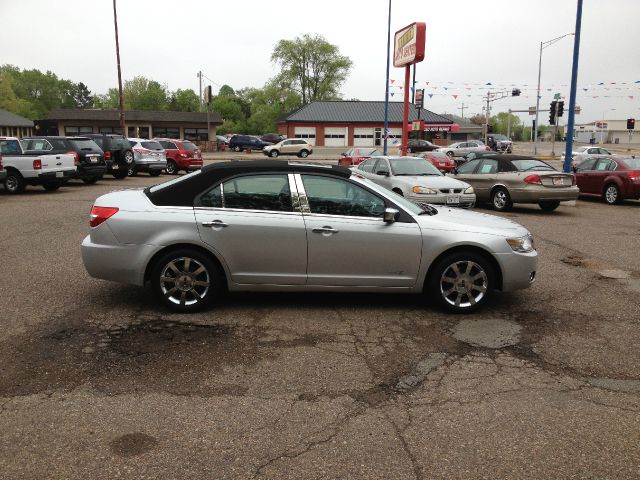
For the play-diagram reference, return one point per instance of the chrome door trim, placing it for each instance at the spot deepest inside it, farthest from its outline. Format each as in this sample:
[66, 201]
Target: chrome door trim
[241, 210]
[302, 195]
[295, 197]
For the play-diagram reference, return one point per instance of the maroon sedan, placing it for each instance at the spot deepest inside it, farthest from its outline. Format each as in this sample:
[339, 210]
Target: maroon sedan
[440, 160]
[356, 156]
[613, 178]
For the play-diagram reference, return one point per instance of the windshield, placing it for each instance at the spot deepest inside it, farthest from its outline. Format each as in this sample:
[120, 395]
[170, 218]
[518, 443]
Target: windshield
[398, 199]
[499, 137]
[412, 166]
[632, 162]
[530, 164]
[85, 144]
[190, 147]
[367, 152]
[173, 181]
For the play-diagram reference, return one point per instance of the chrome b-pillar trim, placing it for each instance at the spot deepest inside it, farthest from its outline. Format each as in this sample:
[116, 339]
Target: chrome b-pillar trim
[302, 195]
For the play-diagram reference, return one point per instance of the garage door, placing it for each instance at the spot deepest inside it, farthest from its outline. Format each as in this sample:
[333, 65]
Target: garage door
[363, 137]
[335, 136]
[308, 133]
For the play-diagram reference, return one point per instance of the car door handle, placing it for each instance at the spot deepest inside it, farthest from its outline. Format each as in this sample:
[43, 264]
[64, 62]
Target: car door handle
[215, 224]
[325, 229]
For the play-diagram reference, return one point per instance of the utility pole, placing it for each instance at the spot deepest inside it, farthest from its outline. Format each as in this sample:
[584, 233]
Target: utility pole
[121, 100]
[385, 133]
[462, 107]
[199, 75]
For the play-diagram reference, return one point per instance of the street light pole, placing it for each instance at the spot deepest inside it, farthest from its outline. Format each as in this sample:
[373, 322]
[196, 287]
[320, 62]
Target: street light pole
[385, 133]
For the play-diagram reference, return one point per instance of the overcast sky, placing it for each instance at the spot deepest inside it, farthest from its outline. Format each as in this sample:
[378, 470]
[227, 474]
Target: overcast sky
[468, 44]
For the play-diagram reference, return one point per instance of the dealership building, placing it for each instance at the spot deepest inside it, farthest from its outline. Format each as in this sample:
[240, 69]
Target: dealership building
[361, 124]
[138, 123]
[12, 125]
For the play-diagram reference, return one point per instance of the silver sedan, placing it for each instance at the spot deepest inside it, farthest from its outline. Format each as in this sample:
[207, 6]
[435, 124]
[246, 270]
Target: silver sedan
[277, 226]
[417, 180]
[460, 149]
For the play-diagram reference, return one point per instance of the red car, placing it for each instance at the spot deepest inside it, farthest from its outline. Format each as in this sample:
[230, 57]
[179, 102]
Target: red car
[181, 155]
[440, 160]
[357, 155]
[613, 178]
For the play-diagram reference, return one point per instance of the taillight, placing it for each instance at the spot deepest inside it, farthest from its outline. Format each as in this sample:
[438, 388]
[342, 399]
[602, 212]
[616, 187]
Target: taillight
[76, 157]
[634, 176]
[533, 179]
[487, 149]
[100, 214]
[107, 155]
[37, 164]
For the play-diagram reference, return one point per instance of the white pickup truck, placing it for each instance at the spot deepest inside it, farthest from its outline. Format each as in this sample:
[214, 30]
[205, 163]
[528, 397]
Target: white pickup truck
[50, 171]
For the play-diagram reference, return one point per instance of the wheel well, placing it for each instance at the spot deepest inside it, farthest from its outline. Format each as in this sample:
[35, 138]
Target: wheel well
[610, 182]
[397, 190]
[179, 246]
[14, 169]
[495, 187]
[468, 248]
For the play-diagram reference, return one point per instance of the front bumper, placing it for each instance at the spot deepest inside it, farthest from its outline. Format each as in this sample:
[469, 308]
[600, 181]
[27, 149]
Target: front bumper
[535, 194]
[518, 269]
[467, 200]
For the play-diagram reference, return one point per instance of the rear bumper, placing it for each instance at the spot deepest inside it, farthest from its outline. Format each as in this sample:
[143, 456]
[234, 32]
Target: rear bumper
[85, 171]
[541, 194]
[144, 166]
[518, 269]
[52, 177]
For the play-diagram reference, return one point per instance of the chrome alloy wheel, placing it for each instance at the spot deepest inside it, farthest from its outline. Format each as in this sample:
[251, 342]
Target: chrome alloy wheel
[463, 283]
[611, 194]
[11, 184]
[184, 281]
[500, 199]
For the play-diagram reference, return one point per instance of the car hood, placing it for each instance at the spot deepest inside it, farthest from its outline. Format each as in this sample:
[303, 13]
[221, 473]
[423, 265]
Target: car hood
[432, 181]
[458, 219]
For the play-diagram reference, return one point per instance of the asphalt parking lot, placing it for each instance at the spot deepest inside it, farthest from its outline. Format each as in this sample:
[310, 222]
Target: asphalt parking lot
[100, 382]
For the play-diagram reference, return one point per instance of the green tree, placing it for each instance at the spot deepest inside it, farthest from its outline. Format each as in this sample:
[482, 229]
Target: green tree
[184, 101]
[501, 120]
[268, 104]
[226, 91]
[10, 101]
[311, 66]
[82, 96]
[140, 93]
[107, 100]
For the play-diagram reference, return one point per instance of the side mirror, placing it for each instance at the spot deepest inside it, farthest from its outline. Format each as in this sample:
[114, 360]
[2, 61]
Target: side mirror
[384, 173]
[343, 154]
[390, 215]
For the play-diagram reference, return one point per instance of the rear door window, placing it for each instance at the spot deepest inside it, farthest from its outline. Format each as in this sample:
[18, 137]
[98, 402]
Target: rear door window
[258, 192]
[488, 166]
[188, 146]
[587, 164]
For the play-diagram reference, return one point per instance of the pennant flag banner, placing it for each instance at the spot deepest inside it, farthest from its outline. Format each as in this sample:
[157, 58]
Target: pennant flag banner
[392, 81]
[455, 97]
[631, 97]
[430, 95]
[391, 93]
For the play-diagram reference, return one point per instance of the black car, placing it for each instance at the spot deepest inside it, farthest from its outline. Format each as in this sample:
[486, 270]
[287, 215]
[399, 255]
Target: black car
[272, 137]
[118, 154]
[246, 142]
[90, 162]
[420, 146]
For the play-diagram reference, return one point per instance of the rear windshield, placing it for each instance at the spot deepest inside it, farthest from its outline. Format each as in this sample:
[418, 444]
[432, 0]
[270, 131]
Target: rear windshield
[632, 163]
[530, 164]
[152, 145]
[84, 144]
[189, 146]
[8, 147]
[173, 181]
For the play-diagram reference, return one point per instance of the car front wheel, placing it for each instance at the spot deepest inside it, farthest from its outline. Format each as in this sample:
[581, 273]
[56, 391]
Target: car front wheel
[237, 148]
[450, 154]
[612, 194]
[185, 280]
[273, 153]
[501, 200]
[461, 282]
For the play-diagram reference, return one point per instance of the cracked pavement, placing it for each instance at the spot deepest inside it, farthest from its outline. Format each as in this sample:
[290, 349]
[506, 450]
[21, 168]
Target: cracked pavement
[100, 382]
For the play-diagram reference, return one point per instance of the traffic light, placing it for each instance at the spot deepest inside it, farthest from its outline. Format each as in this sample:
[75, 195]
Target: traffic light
[419, 100]
[490, 128]
[631, 123]
[515, 92]
[560, 108]
[552, 112]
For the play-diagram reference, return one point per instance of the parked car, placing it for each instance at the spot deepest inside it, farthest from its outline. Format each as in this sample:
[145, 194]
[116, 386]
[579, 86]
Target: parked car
[272, 137]
[506, 179]
[321, 228]
[615, 178]
[3, 172]
[91, 164]
[588, 150]
[581, 157]
[499, 143]
[291, 146]
[414, 145]
[238, 143]
[417, 180]
[148, 156]
[355, 156]
[22, 169]
[118, 154]
[460, 149]
[181, 155]
[440, 160]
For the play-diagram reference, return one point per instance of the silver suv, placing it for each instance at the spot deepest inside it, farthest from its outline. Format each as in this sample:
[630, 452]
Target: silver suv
[289, 146]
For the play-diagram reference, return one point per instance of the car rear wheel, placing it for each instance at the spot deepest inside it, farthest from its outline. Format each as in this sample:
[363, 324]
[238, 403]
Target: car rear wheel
[501, 200]
[14, 183]
[461, 282]
[549, 206]
[612, 194]
[237, 148]
[273, 154]
[303, 154]
[132, 171]
[172, 168]
[185, 280]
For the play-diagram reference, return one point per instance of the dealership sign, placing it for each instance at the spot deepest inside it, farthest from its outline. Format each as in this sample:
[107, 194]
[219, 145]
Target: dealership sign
[408, 45]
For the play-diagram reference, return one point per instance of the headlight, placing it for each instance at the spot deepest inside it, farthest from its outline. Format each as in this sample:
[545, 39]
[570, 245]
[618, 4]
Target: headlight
[424, 190]
[522, 244]
[469, 190]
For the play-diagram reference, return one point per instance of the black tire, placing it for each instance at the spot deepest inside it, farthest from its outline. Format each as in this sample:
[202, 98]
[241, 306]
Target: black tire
[172, 167]
[154, 173]
[274, 153]
[303, 153]
[501, 200]
[128, 157]
[450, 154]
[464, 292]
[51, 187]
[237, 148]
[120, 174]
[549, 206]
[91, 180]
[132, 171]
[170, 292]
[14, 182]
[611, 194]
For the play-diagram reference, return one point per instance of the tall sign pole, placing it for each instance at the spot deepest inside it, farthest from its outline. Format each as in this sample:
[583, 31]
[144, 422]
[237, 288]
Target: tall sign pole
[408, 49]
[572, 96]
[121, 101]
[385, 133]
